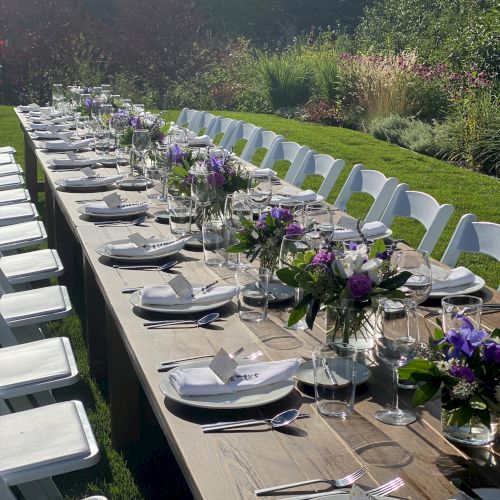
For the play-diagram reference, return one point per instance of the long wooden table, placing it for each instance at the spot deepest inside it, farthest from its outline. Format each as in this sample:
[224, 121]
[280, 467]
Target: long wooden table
[233, 464]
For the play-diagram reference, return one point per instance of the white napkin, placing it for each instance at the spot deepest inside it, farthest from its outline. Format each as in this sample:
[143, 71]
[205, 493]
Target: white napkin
[46, 126]
[100, 207]
[7, 149]
[32, 107]
[46, 134]
[307, 195]
[67, 162]
[156, 247]
[264, 172]
[200, 140]
[457, 277]
[92, 181]
[369, 229]
[67, 146]
[204, 382]
[164, 295]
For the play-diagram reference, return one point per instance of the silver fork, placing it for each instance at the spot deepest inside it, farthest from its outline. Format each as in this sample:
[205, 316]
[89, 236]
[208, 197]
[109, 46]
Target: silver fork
[338, 483]
[381, 491]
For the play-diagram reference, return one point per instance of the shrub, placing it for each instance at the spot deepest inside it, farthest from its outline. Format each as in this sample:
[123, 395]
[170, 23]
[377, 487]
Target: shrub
[326, 76]
[322, 111]
[390, 128]
[419, 137]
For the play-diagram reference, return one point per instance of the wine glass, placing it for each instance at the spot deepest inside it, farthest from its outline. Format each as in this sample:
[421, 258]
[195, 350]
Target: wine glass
[418, 286]
[235, 209]
[141, 142]
[291, 245]
[260, 190]
[396, 341]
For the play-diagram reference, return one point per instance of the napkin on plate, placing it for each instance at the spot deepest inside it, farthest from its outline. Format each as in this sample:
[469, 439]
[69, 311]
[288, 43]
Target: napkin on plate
[307, 195]
[203, 381]
[98, 180]
[164, 295]
[369, 229]
[33, 107]
[100, 207]
[46, 134]
[263, 172]
[156, 247]
[457, 277]
[200, 140]
[67, 162]
[45, 126]
[67, 146]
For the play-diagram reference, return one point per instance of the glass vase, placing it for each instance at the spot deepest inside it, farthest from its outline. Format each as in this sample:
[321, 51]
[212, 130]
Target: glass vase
[473, 433]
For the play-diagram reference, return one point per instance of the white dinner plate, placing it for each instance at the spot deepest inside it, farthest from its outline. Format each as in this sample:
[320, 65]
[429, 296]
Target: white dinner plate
[113, 216]
[237, 400]
[386, 234]
[475, 286]
[135, 299]
[277, 199]
[85, 188]
[101, 250]
[279, 292]
[305, 373]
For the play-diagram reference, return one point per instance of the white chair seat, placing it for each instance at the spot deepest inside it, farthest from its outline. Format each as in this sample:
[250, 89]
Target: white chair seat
[36, 366]
[10, 169]
[21, 235]
[11, 182]
[6, 158]
[31, 266]
[35, 306]
[7, 149]
[17, 213]
[45, 441]
[14, 196]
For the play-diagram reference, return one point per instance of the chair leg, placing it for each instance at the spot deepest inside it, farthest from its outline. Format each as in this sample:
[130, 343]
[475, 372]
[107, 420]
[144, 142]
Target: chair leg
[44, 489]
[5, 491]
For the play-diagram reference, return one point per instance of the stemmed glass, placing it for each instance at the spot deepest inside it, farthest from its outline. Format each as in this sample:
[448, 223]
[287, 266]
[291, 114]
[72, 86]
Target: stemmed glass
[260, 190]
[141, 142]
[396, 340]
[235, 209]
[291, 245]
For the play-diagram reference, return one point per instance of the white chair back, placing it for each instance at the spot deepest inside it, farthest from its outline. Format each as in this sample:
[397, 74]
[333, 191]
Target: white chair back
[318, 164]
[472, 236]
[226, 142]
[7, 338]
[185, 116]
[422, 207]
[242, 131]
[194, 124]
[370, 182]
[260, 139]
[206, 121]
[284, 150]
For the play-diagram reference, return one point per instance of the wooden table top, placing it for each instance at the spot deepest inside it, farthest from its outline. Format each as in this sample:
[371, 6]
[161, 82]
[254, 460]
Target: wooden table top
[231, 465]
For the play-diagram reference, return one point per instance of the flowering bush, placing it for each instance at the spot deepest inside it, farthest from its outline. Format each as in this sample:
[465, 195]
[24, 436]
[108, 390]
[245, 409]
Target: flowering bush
[466, 367]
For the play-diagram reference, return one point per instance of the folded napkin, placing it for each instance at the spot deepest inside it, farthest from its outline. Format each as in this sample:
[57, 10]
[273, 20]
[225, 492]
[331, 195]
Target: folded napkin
[263, 172]
[67, 162]
[307, 195]
[101, 180]
[46, 134]
[100, 207]
[45, 126]
[156, 247]
[200, 140]
[457, 277]
[369, 229]
[67, 146]
[33, 107]
[204, 382]
[164, 295]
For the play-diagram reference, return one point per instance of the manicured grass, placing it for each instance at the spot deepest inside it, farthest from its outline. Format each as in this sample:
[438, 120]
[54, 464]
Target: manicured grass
[467, 191]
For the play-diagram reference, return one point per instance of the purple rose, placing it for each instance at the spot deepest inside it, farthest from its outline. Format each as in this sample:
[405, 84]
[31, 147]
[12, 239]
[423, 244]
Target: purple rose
[261, 223]
[281, 214]
[294, 228]
[323, 257]
[216, 179]
[360, 285]
[463, 372]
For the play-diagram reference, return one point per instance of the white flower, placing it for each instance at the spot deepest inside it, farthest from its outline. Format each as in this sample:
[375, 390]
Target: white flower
[453, 362]
[442, 366]
[464, 389]
[374, 269]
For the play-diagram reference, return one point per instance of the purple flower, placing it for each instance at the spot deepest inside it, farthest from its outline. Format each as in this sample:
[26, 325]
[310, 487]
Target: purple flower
[352, 245]
[492, 352]
[360, 285]
[216, 179]
[217, 163]
[281, 214]
[323, 257]
[383, 255]
[176, 154]
[261, 223]
[463, 372]
[88, 102]
[135, 122]
[464, 340]
[294, 228]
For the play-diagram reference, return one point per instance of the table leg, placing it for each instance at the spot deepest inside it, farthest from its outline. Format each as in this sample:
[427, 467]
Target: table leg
[30, 167]
[123, 389]
[49, 215]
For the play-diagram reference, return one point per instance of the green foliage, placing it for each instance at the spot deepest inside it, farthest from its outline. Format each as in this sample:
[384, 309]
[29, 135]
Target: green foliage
[419, 137]
[389, 128]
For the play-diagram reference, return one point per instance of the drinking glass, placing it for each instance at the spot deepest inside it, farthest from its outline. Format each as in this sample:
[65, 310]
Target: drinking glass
[101, 140]
[291, 245]
[57, 94]
[214, 243]
[141, 142]
[334, 367]
[138, 108]
[396, 341]
[295, 207]
[201, 191]
[458, 306]
[253, 293]
[260, 190]
[235, 209]
[180, 209]
[156, 188]
[418, 286]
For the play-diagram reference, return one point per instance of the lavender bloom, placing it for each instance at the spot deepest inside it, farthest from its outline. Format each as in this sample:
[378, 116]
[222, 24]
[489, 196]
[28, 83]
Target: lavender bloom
[323, 257]
[466, 340]
[261, 223]
[294, 228]
[360, 285]
[281, 214]
[463, 372]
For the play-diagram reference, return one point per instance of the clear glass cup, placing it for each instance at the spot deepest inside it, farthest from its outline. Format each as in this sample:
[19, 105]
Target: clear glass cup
[236, 208]
[396, 341]
[253, 293]
[101, 141]
[215, 239]
[260, 190]
[156, 190]
[418, 286]
[456, 307]
[334, 366]
[57, 94]
[180, 209]
[141, 143]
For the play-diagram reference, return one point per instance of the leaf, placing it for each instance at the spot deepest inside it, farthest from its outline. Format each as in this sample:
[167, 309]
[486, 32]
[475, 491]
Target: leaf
[438, 334]
[312, 311]
[477, 402]
[237, 248]
[422, 366]
[485, 417]
[425, 392]
[287, 275]
[495, 333]
[298, 313]
[462, 415]
[396, 281]
[181, 171]
[377, 247]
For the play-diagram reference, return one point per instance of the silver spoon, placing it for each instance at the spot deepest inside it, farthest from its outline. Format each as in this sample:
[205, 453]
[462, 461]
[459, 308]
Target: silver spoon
[204, 321]
[280, 420]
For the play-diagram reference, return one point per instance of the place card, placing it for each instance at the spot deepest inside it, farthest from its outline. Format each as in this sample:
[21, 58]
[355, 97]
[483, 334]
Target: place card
[87, 171]
[71, 155]
[138, 240]
[223, 365]
[112, 200]
[181, 286]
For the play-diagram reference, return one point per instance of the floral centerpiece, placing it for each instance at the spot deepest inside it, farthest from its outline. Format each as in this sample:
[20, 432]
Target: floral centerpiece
[348, 282]
[464, 364]
[263, 238]
[147, 121]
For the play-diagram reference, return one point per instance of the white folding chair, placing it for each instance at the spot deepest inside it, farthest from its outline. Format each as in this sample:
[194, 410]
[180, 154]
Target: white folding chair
[261, 139]
[185, 116]
[44, 442]
[6, 158]
[317, 164]
[10, 169]
[22, 235]
[7, 149]
[242, 131]
[371, 182]
[194, 123]
[206, 122]
[14, 196]
[289, 151]
[421, 207]
[473, 236]
[11, 182]
[17, 213]
[223, 126]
